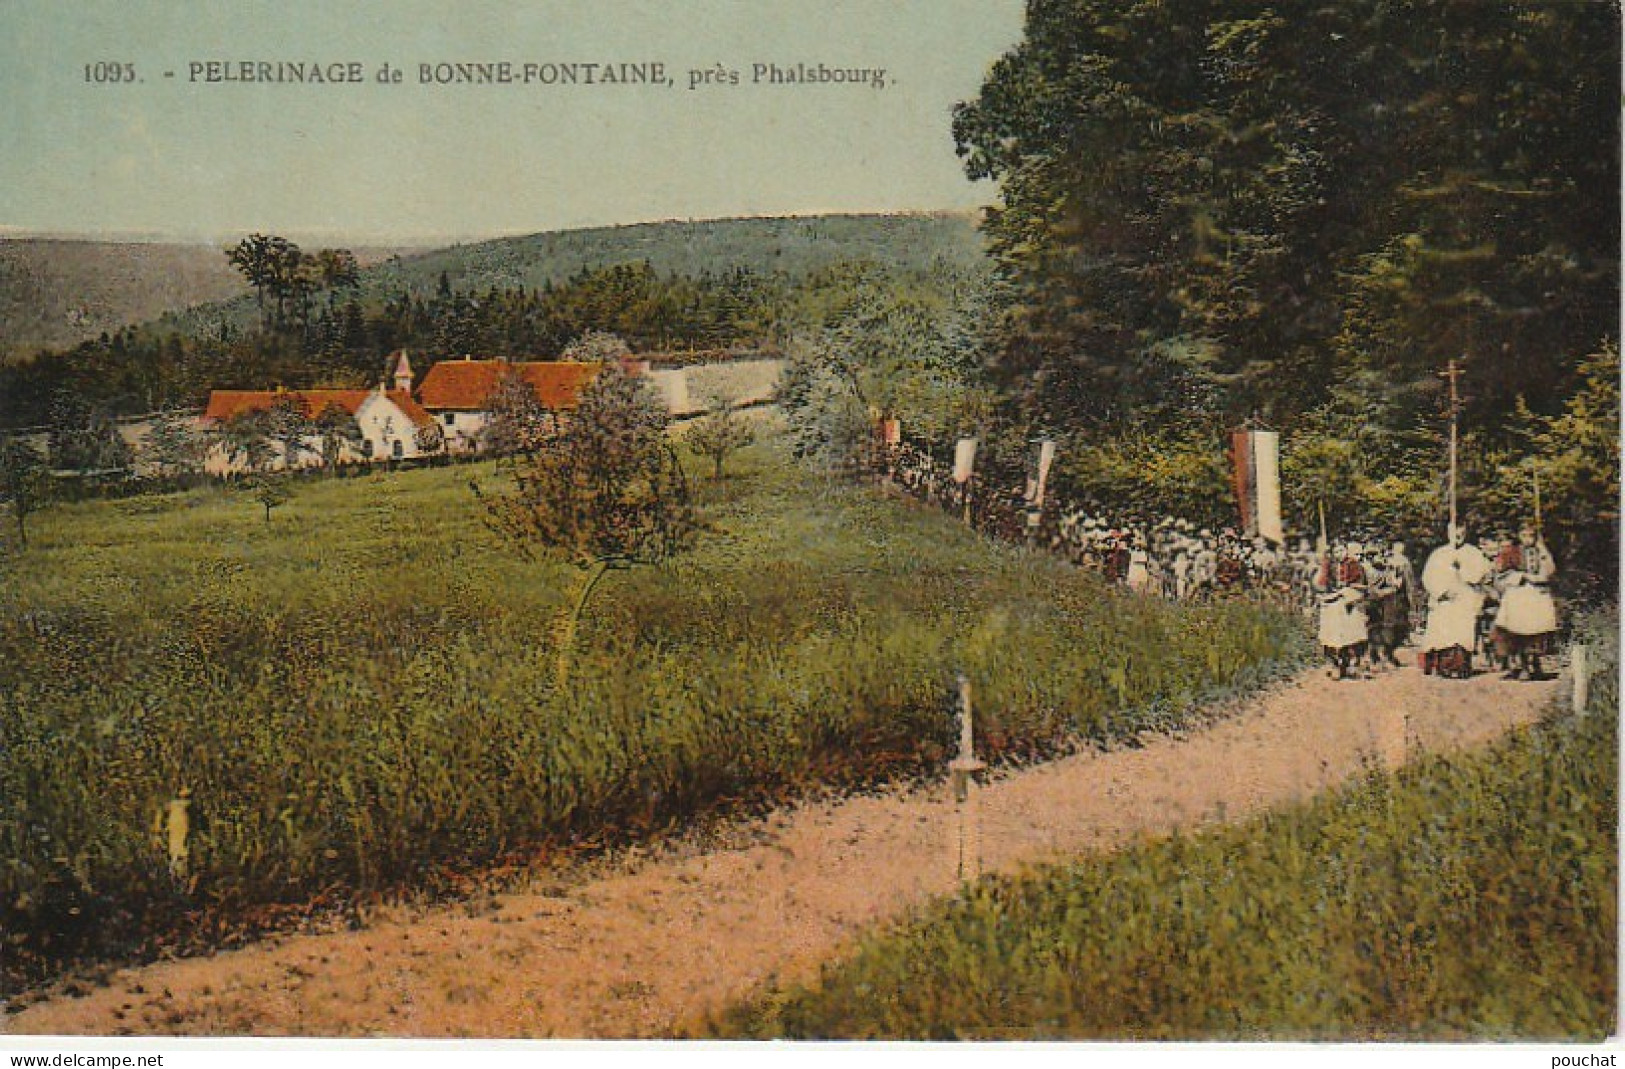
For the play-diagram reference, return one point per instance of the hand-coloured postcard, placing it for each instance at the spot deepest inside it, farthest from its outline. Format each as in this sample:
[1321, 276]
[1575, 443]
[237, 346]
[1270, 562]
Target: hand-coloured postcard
[1077, 521]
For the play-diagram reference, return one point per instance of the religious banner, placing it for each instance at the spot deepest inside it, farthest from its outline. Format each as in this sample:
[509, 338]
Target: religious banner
[1257, 479]
[1038, 476]
[1241, 455]
[964, 459]
[1266, 453]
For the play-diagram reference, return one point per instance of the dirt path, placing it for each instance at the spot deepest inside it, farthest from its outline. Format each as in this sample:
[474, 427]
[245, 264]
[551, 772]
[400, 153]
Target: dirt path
[644, 950]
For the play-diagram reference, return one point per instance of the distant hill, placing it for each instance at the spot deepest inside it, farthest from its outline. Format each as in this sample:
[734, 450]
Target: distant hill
[797, 246]
[59, 293]
[55, 293]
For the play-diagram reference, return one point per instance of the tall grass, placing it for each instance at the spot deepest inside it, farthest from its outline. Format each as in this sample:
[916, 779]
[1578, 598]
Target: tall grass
[360, 693]
[1467, 897]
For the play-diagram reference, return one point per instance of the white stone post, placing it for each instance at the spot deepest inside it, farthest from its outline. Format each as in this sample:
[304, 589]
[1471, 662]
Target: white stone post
[176, 823]
[964, 769]
[1580, 667]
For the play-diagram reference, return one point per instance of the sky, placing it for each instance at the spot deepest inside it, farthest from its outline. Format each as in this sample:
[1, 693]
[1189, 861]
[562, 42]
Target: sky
[84, 151]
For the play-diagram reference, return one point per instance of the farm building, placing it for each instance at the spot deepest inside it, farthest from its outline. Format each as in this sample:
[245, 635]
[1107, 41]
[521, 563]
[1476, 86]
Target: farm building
[455, 398]
[389, 421]
[457, 393]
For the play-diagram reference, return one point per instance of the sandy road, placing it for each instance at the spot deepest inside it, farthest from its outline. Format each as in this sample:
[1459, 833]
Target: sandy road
[655, 943]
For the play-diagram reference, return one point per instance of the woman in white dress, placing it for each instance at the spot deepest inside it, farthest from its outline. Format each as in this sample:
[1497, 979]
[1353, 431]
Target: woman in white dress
[1341, 585]
[1526, 623]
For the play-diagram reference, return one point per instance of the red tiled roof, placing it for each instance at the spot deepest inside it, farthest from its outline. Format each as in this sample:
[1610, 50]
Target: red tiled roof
[414, 411]
[466, 384]
[228, 404]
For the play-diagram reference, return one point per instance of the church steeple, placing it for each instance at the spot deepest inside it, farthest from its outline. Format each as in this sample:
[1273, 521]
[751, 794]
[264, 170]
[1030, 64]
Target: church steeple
[403, 373]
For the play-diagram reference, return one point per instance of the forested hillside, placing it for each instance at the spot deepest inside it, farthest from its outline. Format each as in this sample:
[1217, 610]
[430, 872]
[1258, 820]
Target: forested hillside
[58, 293]
[794, 246]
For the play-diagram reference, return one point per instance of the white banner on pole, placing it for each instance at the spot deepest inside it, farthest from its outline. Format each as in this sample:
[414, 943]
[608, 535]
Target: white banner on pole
[1267, 472]
[1046, 457]
[964, 459]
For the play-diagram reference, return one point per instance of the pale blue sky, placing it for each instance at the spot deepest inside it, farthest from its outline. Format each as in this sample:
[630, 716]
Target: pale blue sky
[167, 158]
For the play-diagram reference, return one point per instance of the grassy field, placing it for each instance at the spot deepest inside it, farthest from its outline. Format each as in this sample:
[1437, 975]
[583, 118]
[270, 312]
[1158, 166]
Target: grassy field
[1464, 898]
[359, 694]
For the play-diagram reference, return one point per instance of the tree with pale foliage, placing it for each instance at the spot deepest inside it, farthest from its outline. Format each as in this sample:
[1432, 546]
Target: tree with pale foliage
[720, 433]
[596, 347]
[890, 353]
[516, 421]
[606, 492]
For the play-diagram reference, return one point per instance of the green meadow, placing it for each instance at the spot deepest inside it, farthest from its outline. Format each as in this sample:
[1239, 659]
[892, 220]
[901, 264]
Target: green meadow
[1471, 897]
[360, 695]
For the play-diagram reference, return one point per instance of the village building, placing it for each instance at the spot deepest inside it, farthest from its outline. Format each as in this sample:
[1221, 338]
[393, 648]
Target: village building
[450, 410]
[391, 425]
[458, 393]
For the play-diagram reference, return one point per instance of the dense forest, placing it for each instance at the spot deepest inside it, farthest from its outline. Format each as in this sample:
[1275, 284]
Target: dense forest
[1211, 211]
[1213, 207]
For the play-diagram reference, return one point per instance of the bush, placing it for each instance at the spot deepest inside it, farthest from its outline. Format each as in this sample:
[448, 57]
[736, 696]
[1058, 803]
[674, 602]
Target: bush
[1181, 475]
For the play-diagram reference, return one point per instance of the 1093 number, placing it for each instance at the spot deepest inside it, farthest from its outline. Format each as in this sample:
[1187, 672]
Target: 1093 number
[109, 73]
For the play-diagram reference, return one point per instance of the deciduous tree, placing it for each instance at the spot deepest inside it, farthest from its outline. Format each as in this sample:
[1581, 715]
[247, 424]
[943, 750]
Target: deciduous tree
[289, 426]
[173, 446]
[272, 490]
[606, 492]
[255, 258]
[25, 481]
[246, 440]
[83, 438]
[595, 347]
[430, 439]
[336, 428]
[516, 422]
[720, 433]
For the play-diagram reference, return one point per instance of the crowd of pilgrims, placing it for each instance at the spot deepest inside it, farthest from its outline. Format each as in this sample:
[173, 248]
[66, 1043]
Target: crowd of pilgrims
[1363, 595]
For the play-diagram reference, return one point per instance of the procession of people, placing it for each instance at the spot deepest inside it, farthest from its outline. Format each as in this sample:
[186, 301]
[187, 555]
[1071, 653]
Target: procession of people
[1475, 603]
